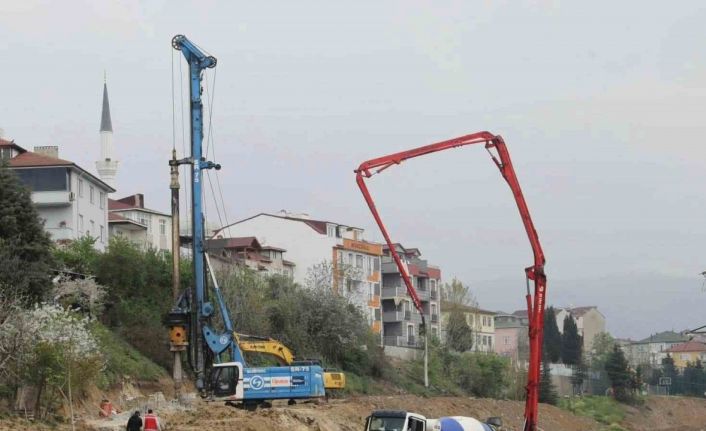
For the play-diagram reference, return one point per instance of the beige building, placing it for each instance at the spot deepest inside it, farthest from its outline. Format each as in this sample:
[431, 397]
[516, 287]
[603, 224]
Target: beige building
[128, 217]
[589, 321]
[481, 322]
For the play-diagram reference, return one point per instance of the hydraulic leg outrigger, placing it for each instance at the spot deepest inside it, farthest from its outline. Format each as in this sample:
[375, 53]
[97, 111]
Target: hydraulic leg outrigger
[535, 304]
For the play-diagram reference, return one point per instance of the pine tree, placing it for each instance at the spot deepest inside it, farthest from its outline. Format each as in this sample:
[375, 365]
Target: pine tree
[547, 391]
[25, 249]
[571, 343]
[578, 376]
[619, 374]
[552, 337]
[459, 335]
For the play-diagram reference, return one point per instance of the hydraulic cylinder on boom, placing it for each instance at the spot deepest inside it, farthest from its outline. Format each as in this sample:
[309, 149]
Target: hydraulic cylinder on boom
[495, 145]
[215, 358]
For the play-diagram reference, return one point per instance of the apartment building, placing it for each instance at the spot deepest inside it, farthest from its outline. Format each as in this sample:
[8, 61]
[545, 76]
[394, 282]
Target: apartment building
[589, 321]
[481, 322]
[147, 228]
[651, 350]
[325, 253]
[225, 253]
[688, 353]
[400, 318]
[511, 337]
[71, 201]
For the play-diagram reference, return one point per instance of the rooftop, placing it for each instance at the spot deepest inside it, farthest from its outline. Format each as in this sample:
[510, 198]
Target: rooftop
[664, 337]
[689, 346]
[451, 306]
[29, 159]
[318, 225]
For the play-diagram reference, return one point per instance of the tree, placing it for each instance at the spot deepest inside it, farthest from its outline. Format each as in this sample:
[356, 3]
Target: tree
[571, 343]
[547, 391]
[458, 293]
[25, 249]
[619, 374]
[552, 337]
[342, 278]
[578, 376]
[694, 379]
[459, 335]
[669, 370]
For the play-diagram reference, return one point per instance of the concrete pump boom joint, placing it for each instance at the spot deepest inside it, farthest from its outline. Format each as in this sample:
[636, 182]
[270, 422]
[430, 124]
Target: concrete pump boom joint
[535, 305]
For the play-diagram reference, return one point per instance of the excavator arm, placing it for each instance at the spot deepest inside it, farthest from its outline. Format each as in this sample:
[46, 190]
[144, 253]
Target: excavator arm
[495, 145]
[267, 346]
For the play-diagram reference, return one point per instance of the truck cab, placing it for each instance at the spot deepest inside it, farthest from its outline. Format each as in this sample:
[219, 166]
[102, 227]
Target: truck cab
[396, 420]
[400, 420]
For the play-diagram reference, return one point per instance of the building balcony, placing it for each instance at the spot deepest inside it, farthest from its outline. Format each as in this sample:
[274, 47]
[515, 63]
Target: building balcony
[61, 233]
[52, 199]
[401, 341]
[394, 292]
[393, 316]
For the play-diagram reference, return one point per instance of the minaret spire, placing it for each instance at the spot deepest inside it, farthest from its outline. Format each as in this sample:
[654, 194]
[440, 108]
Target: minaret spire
[106, 166]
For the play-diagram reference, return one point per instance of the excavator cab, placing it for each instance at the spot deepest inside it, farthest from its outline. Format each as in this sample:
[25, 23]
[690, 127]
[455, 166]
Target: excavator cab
[225, 379]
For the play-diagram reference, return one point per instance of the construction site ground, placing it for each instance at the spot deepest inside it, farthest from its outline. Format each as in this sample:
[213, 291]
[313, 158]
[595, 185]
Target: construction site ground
[657, 414]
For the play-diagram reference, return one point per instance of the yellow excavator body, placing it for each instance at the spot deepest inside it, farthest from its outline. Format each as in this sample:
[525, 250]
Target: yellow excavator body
[269, 346]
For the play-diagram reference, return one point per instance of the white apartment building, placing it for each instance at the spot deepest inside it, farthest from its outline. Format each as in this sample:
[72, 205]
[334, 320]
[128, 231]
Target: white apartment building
[72, 202]
[354, 263]
[144, 227]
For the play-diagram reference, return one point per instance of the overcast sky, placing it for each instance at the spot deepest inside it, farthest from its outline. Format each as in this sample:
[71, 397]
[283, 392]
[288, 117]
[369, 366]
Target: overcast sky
[601, 104]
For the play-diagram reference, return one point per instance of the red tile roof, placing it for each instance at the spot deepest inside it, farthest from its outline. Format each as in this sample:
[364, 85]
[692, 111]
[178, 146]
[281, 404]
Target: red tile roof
[116, 205]
[237, 242]
[689, 346]
[6, 143]
[30, 159]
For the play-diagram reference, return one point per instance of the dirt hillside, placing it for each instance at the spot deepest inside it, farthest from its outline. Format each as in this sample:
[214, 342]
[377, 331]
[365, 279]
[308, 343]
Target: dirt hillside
[658, 414]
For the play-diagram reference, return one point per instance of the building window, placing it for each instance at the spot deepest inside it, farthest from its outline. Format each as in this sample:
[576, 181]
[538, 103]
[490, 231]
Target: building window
[80, 188]
[358, 261]
[330, 230]
[162, 227]
[5, 153]
[378, 315]
[44, 179]
[93, 227]
[91, 191]
[80, 223]
[371, 291]
[350, 259]
[506, 340]
[376, 289]
[101, 197]
[370, 266]
[102, 234]
[376, 264]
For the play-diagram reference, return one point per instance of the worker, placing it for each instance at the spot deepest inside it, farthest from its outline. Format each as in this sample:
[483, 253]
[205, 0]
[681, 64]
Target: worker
[135, 422]
[152, 422]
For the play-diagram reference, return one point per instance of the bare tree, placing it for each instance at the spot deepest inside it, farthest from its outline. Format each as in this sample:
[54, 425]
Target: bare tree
[459, 293]
[341, 278]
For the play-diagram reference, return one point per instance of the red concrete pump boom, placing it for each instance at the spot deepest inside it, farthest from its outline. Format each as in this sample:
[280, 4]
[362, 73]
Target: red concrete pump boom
[535, 304]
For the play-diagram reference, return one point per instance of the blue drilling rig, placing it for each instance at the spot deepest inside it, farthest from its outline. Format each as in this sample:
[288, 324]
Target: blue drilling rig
[214, 356]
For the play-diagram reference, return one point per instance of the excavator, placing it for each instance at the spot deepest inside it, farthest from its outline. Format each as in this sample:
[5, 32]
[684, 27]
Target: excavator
[333, 379]
[499, 154]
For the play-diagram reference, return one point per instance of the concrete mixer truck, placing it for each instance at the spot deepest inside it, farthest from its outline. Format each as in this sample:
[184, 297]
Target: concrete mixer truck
[396, 420]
